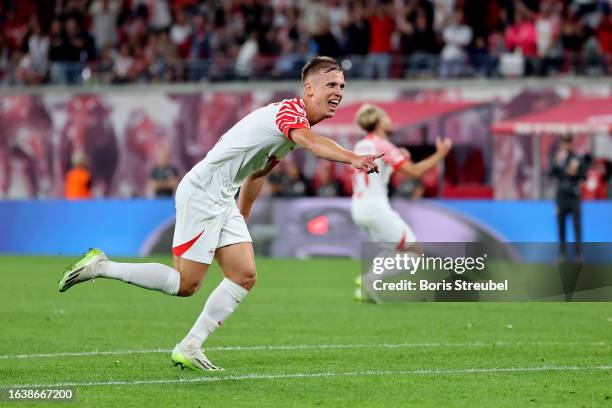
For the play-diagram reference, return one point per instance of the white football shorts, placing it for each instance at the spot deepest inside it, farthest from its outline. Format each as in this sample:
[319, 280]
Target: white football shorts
[203, 225]
[384, 225]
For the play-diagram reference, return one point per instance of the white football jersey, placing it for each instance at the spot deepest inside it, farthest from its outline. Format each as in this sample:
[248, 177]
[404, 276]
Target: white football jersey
[374, 186]
[259, 137]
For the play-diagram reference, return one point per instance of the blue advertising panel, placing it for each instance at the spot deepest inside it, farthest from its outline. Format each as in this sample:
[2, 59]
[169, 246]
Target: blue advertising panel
[300, 227]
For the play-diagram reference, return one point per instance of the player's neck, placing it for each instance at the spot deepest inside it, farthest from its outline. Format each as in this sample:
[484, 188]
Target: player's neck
[312, 117]
[380, 135]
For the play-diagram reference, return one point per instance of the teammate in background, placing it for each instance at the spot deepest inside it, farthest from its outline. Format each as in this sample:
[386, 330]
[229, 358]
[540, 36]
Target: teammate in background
[210, 224]
[78, 179]
[370, 203]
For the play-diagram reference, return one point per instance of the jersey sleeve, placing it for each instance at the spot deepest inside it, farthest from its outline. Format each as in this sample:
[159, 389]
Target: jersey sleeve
[291, 116]
[393, 156]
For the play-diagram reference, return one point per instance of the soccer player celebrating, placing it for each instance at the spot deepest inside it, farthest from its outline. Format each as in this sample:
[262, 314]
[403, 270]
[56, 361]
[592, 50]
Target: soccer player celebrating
[370, 203]
[210, 224]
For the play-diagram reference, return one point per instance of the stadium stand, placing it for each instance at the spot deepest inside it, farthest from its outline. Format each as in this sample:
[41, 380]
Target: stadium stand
[136, 41]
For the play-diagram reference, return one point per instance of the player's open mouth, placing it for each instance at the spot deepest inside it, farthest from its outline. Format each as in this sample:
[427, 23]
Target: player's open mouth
[333, 103]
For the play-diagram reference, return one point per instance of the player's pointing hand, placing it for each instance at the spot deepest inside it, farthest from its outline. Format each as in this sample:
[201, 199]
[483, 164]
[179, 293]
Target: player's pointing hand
[367, 163]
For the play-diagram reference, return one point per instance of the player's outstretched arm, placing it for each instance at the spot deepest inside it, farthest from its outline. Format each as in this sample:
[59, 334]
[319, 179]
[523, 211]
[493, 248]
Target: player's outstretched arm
[251, 187]
[327, 149]
[416, 170]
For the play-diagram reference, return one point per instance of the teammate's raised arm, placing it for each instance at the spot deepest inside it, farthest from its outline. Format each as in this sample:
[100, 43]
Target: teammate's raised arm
[328, 149]
[416, 170]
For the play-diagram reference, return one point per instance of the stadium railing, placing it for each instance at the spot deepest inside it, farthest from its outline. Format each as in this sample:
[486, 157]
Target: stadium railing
[392, 66]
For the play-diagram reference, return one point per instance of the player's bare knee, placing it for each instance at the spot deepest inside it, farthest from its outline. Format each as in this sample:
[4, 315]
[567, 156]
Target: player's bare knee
[247, 278]
[188, 287]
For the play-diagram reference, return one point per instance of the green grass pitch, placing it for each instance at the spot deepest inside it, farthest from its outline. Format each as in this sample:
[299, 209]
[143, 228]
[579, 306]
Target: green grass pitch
[298, 340]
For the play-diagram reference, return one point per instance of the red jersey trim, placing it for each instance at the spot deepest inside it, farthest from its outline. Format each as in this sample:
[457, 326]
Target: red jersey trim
[397, 165]
[181, 249]
[296, 126]
[291, 116]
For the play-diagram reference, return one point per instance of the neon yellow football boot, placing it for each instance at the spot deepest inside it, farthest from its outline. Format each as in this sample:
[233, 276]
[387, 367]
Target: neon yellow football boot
[83, 270]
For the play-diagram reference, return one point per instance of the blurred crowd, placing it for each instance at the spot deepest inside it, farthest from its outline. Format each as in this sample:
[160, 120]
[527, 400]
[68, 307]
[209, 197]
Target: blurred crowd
[126, 41]
[287, 180]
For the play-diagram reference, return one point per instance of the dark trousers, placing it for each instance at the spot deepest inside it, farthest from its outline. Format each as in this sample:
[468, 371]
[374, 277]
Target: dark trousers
[571, 207]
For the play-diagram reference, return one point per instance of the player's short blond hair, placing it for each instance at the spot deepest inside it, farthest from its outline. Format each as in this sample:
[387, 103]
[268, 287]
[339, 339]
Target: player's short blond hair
[320, 63]
[368, 116]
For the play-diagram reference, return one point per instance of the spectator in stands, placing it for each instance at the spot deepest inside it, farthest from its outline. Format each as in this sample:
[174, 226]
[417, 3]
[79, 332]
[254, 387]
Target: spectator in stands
[604, 35]
[598, 47]
[72, 9]
[139, 68]
[104, 15]
[22, 70]
[381, 27]
[209, 35]
[201, 46]
[78, 179]
[164, 176]
[457, 36]
[422, 44]
[573, 39]
[276, 180]
[496, 43]
[37, 56]
[295, 184]
[324, 183]
[133, 32]
[180, 34]
[252, 12]
[548, 26]
[337, 11]
[357, 36]
[267, 34]
[312, 15]
[595, 186]
[56, 42]
[70, 50]
[593, 57]
[291, 60]
[104, 69]
[157, 13]
[164, 56]
[4, 60]
[15, 29]
[521, 38]
[122, 65]
[325, 41]
[589, 11]
[443, 13]
[481, 59]
[248, 51]
[569, 170]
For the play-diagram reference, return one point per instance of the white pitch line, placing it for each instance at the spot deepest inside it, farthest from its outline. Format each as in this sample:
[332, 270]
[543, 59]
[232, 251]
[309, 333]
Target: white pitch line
[308, 347]
[263, 376]
[83, 353]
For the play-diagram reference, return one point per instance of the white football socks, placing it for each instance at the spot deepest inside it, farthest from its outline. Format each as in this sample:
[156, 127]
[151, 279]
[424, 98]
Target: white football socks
[219, 306]
[153, 276]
